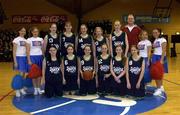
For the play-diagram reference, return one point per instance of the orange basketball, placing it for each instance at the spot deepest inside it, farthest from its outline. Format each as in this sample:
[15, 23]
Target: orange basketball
[88, 75]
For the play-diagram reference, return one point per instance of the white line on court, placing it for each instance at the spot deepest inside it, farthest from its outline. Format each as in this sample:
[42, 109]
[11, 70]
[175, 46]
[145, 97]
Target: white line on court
[125, 111]
[53, 107]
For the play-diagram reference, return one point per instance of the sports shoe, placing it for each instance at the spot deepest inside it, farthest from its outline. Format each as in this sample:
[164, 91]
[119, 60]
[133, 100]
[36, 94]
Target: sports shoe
[157, 92]
[23, 91]
[40, 91]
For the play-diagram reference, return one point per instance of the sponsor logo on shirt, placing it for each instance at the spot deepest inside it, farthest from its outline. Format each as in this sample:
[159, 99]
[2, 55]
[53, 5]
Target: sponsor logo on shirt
[141, 47]
[87, 68]
[54, 70]
[22, 43]
[104, 68]
[156, 44]
[135, 70]
[71, 69]
[116, 43]
[83, 45]
[36, 43]
[118, 70]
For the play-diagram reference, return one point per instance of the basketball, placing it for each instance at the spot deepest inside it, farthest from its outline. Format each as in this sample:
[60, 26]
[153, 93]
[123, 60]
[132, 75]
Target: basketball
[34, 72]
[157, 71]
[87, 75]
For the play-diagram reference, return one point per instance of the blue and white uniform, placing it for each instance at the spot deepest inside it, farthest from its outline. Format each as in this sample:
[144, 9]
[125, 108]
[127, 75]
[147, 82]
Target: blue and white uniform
[21, 57]
[36, 54]
[143, 52]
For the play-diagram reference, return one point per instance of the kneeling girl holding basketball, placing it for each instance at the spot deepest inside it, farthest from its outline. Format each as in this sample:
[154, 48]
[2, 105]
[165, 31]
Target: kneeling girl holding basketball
[87, 72]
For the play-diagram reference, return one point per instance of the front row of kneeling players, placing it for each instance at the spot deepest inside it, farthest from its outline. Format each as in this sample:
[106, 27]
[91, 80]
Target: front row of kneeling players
[114, 75]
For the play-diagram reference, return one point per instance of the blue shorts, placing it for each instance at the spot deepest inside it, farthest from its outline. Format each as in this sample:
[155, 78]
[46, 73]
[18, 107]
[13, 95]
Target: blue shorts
[147, 77]
[156, 58]
[37, 60]
[22, 64]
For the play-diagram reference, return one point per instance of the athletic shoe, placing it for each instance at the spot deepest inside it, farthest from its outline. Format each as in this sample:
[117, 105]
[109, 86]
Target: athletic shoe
[157, 92]
[40, 91]
[23, 91]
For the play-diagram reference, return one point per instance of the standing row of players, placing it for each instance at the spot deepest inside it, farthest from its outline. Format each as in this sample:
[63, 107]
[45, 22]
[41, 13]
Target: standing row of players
[63, 59]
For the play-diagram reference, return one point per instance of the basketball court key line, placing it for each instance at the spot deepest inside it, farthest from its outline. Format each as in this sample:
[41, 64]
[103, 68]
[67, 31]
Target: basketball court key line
[52, 107]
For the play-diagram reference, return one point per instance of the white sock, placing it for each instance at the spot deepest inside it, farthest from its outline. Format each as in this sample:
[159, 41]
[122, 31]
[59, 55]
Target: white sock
[35, 91]
[18, 94]
[162, 88]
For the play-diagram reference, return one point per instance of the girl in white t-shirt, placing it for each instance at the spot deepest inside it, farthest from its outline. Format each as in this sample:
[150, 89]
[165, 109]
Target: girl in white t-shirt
[145, 47]
[159, 54]
[19, 56]
[35, 56]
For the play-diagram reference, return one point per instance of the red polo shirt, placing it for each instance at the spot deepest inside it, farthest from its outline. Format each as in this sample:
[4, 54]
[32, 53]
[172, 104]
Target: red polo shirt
[133, 35]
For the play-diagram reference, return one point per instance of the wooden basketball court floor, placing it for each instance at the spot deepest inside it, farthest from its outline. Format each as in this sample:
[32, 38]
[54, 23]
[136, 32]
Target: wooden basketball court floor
[171, 84]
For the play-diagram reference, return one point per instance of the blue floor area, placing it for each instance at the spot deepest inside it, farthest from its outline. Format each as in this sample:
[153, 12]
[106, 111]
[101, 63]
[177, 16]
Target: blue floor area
[30, 103]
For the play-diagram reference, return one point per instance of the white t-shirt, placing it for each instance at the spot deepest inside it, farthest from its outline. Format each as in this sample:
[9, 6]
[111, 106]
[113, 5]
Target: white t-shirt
[143, 48]
[35, 45]
[157, 45]
[21, 46]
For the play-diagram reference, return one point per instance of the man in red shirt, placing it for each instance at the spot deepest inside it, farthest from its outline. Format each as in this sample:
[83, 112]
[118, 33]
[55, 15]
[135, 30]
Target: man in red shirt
[132, 31]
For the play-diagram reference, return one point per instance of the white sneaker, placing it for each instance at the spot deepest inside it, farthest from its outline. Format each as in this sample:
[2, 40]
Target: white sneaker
[23, 91]
[18, 94]
[40, 91]
[35, 91]
[157, 92]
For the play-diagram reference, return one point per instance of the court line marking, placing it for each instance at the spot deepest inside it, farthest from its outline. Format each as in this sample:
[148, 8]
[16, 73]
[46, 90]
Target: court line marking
[175, 83]
[126, 110]
[52, 107]
[6, 95]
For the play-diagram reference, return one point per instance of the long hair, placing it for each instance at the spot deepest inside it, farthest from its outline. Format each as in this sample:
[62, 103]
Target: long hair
[123, 56]
[48, 58]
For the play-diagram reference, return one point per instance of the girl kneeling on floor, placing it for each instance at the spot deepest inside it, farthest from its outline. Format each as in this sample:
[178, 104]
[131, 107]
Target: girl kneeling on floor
[134, 74]
[52, 74]
[70, 71]
[86, 64]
